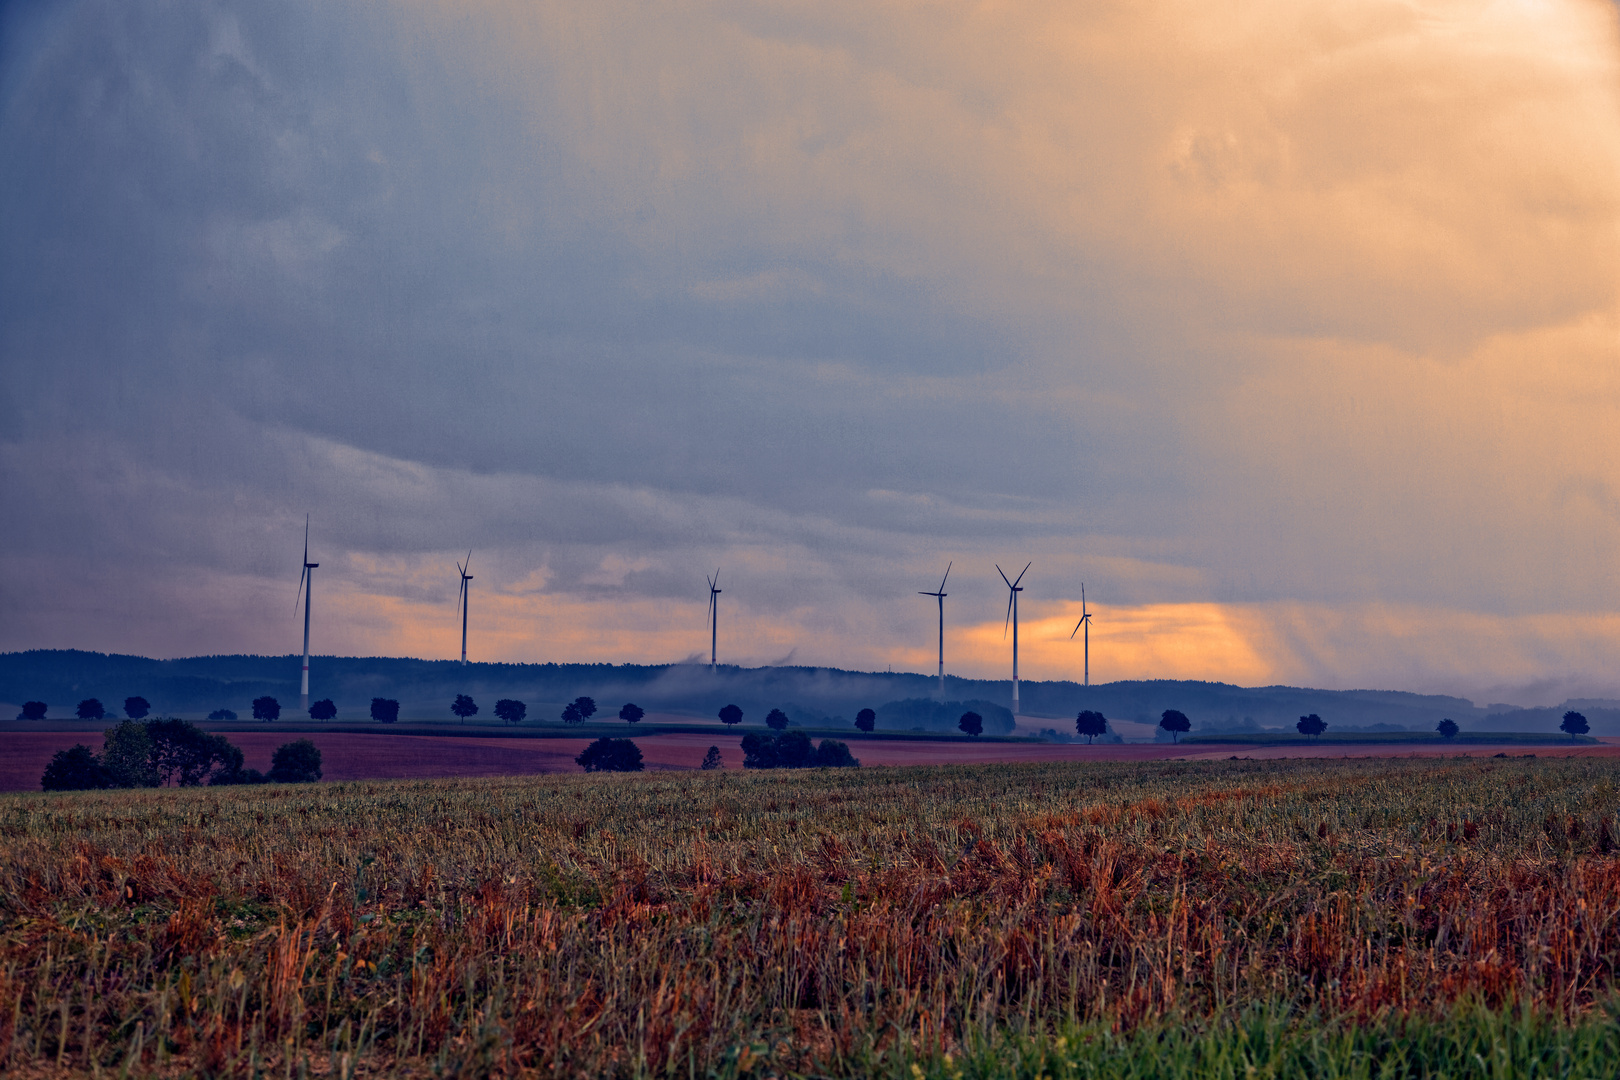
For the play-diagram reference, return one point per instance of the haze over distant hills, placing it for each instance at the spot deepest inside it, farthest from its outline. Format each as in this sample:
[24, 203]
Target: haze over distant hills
[813, 696]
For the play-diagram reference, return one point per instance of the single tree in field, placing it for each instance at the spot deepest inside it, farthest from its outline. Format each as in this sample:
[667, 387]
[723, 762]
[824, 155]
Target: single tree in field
[1447, 729]
[632, 713]
[1091, 724]
[1311, 725]
[1575, 724]
[972, 723]
[730, 715]
[323, 709]
[384, 710]
[76, 769]
[90, 709]
[511, 711]
[572, 715]
[266, 708]
[296, 762]
[610, 755]
[1175, 722]
[136, 707]
[865, 720]
[586, 707]
[712, 760]
[776, 720]
[464, 707]
[33, 710]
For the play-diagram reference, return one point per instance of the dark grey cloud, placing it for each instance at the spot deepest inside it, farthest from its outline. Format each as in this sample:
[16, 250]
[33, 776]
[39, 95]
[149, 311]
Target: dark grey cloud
[834, 295]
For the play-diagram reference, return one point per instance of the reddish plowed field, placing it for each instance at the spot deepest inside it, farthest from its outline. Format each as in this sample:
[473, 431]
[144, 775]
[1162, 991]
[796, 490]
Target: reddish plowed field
[368, 757]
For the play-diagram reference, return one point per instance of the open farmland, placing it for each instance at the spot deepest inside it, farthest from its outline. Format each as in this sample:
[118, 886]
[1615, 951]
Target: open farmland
[1060, 918]
[384, 755]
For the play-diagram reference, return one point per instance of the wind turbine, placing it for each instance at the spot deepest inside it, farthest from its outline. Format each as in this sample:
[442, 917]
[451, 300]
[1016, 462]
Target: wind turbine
[1012, 617]
[941, 594]
[713, 618]
[306, 579]
[1085, 621]
[461, 601]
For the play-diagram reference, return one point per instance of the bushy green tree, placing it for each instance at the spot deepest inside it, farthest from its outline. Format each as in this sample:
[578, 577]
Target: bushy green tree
[323, 709]
[1091, 724]
[632, 713]
[266, 708]
[610, 755]
[384, 710]
[1447, 729]
[971, 723]
[136, 707]
[1575, 724]
[792, 750]
[126, 752]
[712, 759]
[33, 710]
[75, 769]
[91, 709]
[730, 715]
[464, 707]
[185, 754]
[1175, 722]
[297, 762]
[511, 710]
[865, 720]
[832, 754]
[1311, 725]
[776, 720]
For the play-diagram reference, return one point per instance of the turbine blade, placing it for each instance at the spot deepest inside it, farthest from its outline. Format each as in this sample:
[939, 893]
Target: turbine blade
[1076, 630]
[1003, 575]
[306, 538]
[947, 575]
[1008, 621]
[1021, 574]
[298, 597]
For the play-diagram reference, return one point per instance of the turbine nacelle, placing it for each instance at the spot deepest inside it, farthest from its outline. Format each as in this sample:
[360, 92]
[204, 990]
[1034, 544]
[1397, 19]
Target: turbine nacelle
[1012, 593]
[1085, 616]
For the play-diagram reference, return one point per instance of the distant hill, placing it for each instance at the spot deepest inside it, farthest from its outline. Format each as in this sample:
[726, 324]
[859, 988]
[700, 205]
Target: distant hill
[196, 685]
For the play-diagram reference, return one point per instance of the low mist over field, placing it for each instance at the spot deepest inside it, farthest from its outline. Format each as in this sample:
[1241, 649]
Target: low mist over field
[812, 697]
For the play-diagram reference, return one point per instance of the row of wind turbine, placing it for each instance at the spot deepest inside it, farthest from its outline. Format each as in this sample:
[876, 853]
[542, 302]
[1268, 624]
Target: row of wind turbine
[306, 580]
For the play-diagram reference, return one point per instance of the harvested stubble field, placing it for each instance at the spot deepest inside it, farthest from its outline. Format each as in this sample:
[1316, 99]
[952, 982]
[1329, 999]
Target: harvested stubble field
[1353, 918]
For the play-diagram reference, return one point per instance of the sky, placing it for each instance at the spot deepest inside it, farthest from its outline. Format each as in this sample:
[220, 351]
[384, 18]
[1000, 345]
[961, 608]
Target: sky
[1289, 330]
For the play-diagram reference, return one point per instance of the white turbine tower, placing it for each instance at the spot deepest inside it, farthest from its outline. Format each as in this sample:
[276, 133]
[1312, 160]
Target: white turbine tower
[306, 579]
[1012, 617]
[461, 601]
[940, 595]
[713, 619]
[1085, 621]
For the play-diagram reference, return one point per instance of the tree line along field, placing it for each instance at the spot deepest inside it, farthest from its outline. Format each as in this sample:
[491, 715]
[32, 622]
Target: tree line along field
[1407, 917]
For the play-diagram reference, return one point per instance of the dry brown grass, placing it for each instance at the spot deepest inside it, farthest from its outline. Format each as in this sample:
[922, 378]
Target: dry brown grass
[697, 923]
